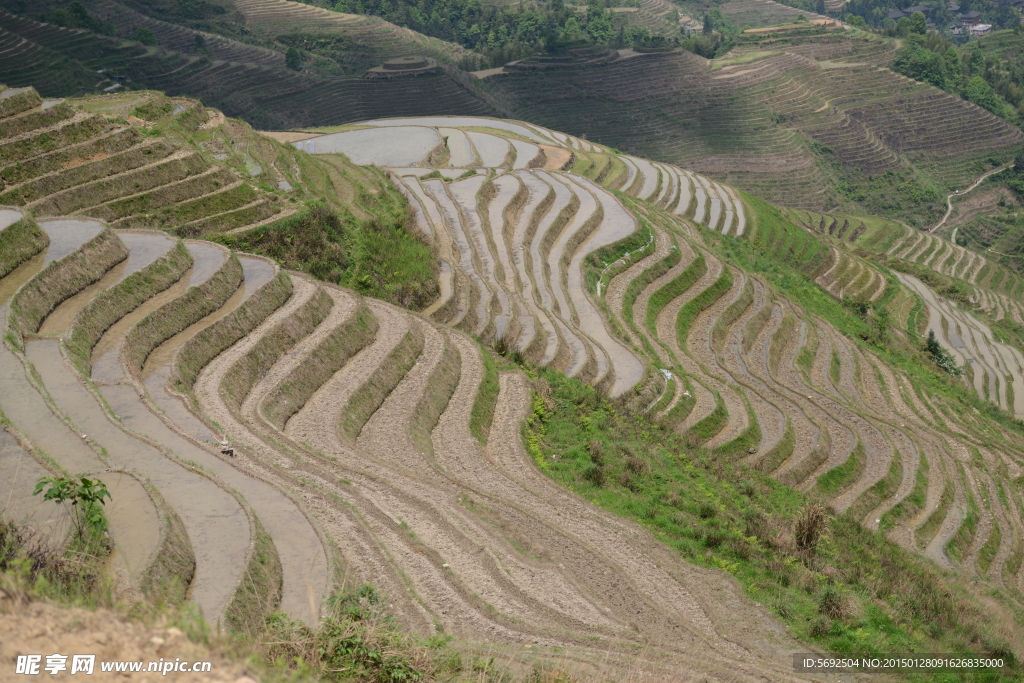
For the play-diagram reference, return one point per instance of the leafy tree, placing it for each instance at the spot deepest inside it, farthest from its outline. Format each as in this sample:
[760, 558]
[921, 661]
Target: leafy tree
[941, 357]
[57, 16]
[980, 93]
[292, 59]
[920, 63]
[200, 45]
[145, 36]
[918, 24]
[190, 9]
[599, 23]
[856, 21]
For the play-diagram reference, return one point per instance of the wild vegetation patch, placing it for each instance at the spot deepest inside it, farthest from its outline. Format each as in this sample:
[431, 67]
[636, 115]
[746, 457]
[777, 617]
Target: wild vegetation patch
[380, 257]
[834, 582]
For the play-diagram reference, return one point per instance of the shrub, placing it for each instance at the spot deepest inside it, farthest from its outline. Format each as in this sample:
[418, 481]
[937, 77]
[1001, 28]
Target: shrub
[832, 603]
[811, 526]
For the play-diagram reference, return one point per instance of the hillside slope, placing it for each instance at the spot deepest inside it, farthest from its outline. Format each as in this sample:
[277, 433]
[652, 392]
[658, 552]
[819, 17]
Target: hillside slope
[338, 434]
[242, 80]
[669, 319]
[811, 121]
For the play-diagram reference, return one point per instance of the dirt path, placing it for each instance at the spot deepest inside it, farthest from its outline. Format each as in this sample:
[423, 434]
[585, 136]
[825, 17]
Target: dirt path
[949, 198]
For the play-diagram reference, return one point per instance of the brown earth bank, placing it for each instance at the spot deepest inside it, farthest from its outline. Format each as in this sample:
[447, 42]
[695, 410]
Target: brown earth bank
[33, 627]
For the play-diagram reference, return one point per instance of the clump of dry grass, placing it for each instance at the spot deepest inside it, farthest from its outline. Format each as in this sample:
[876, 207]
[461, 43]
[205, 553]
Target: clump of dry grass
[811, 526]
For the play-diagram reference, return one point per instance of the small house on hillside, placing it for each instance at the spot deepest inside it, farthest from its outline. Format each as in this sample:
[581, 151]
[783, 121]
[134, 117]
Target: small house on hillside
[895, 15]
[923, 9]
[981, 29]
[971, 18]
[953, 7]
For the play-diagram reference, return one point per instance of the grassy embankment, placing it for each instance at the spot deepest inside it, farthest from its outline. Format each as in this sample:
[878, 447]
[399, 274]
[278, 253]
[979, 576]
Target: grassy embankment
[852, 592]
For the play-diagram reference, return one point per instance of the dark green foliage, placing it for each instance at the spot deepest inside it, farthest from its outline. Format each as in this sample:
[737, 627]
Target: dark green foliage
[358, 639]
[89, 492]
[502, 33]
[941, 356]
[292, 59]
[77, 16]
[933, 59]
[145, 36]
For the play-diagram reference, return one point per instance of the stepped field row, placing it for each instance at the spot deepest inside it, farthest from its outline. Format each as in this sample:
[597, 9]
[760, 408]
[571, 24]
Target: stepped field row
[63, 159]
[752, 375]
[992, 368]
[996, 289]
[345, 446]
[513, 244]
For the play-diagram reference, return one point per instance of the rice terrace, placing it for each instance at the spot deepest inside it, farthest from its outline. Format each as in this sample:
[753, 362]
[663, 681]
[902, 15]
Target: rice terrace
[640, 340]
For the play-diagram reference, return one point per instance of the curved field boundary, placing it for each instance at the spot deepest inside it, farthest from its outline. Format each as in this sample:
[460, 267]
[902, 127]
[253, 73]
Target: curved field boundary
[61, 279]
[197, 353]
[116, 302]
[177, 315]
[315, 364]
[20, 240]
[48, 435]
[74, 400]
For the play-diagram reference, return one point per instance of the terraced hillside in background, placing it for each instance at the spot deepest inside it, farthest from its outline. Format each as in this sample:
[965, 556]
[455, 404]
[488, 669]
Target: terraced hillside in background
[806, 118]
[756, 13]
[800, 119]
[242, 80]
[971, 303]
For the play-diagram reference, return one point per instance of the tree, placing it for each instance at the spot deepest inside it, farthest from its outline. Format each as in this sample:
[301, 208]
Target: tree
[292, 59]
[145, 36]
[819, 7]
[918, 24]
[190, 9]
[599, 22]
[200, 45]
[980, 93]
[708, 25]
[856, 21]
[932, 346]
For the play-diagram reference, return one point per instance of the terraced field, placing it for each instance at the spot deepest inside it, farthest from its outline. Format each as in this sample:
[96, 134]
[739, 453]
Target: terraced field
[513, 234]
[461, 535]
[58, 158]
[733, 366]
[752, 374]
